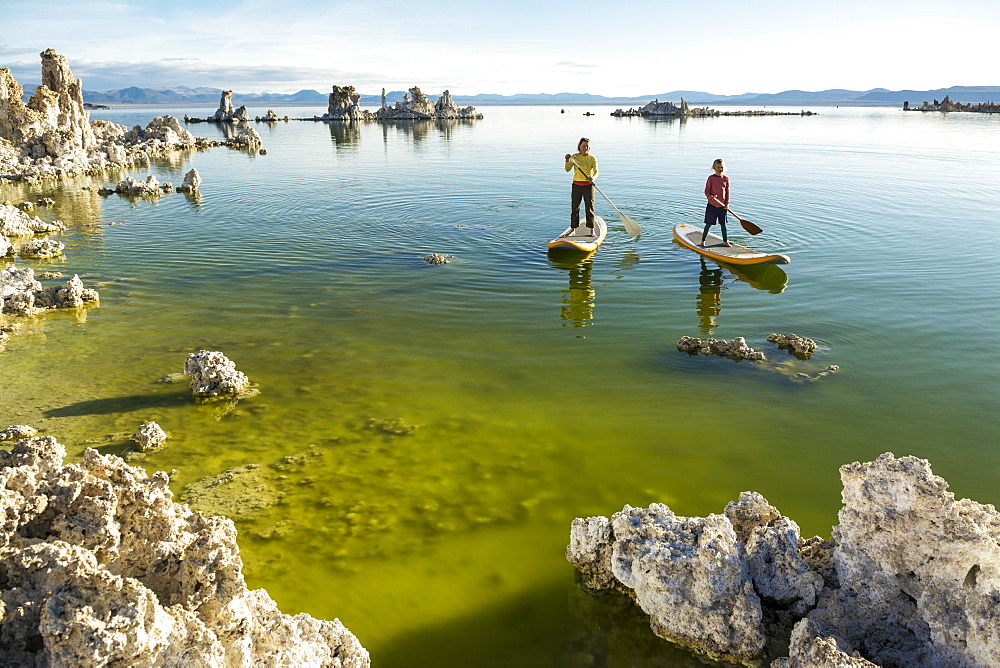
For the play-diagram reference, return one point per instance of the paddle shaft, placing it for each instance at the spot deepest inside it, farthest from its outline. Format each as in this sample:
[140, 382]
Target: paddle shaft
[631, 226]
[747, 225]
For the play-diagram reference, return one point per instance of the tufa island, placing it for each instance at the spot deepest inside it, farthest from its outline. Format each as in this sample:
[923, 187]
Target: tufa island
[100, 565]
[344, 106]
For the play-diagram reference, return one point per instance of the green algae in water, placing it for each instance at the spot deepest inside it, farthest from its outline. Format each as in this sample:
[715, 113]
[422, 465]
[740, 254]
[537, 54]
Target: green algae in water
[425, 434]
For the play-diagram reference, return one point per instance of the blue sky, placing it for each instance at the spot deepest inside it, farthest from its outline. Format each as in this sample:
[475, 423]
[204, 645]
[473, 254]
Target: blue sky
[626, 48]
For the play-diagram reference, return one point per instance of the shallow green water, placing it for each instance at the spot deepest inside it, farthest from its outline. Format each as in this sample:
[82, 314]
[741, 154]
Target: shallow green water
[426, 434]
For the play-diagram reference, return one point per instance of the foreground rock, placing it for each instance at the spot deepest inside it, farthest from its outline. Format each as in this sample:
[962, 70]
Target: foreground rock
[101, 567]
[910, 577]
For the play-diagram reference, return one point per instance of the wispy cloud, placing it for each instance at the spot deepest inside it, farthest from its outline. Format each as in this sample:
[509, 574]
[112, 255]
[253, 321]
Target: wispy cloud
[108, 75]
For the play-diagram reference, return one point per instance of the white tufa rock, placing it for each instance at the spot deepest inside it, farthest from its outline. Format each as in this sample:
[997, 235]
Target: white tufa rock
[191, 181]
[799, 346]
[52, 135]
[17, 290]
[16, 223]
[344, 105]
[910, 577]
[213, 374]
[130, 186]
[737, 349]
[41, 249]
[102, 567]
[438, 258]
[149, 436]
[248, 138]
[416, 106]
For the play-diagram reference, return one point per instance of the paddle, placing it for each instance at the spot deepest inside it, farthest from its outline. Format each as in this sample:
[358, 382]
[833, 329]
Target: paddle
[631, 226]
[747, 225]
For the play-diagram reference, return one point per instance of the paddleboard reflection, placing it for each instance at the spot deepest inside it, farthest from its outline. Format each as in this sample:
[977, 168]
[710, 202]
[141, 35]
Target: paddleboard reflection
[578, 300]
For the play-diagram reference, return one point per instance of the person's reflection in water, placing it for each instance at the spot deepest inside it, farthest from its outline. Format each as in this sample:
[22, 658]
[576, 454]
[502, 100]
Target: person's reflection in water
[709, 297]
[578, 300]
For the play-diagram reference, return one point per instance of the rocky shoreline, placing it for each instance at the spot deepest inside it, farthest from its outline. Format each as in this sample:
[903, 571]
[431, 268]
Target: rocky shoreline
[910, 576]
[52, 135]
[100, 566]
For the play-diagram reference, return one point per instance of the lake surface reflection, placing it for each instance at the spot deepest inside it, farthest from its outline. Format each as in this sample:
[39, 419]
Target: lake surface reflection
[427, 433]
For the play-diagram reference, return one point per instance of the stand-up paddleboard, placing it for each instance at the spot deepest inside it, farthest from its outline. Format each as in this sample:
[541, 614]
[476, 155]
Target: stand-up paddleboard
[582, 240]
[690, 236]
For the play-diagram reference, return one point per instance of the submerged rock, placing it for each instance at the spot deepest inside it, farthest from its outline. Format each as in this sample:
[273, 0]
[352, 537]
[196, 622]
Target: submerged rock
[438, 258]
[101, 567]
[910, 577]
[16, 432]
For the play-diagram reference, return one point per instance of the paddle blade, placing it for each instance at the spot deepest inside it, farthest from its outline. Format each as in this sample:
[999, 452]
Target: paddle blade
[631, 226]
[750, 227]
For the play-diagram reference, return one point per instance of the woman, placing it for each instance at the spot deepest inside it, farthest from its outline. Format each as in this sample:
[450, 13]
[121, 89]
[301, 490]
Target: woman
[584, 168]
[717, 192]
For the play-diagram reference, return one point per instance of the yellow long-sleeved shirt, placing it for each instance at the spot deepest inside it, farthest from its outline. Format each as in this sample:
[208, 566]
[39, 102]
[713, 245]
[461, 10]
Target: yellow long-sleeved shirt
[588, 162]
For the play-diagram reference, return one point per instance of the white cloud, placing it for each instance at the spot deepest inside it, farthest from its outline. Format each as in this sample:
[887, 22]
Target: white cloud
[516, 46]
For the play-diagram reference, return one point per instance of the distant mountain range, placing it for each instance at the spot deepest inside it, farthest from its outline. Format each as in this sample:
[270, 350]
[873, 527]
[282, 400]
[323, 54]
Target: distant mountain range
[209, 97]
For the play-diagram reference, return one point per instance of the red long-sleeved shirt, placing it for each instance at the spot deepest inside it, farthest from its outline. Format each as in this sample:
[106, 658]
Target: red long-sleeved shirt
[717, 186]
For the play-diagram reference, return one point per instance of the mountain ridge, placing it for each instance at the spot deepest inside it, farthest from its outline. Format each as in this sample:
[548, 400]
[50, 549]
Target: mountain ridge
[204, 96]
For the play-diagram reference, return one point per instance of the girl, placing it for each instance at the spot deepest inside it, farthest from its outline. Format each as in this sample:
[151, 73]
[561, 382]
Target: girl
[717, 192]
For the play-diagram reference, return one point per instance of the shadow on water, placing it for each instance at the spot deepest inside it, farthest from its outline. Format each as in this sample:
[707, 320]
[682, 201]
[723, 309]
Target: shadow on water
[111, 405]
[594, 629]
[767, 277]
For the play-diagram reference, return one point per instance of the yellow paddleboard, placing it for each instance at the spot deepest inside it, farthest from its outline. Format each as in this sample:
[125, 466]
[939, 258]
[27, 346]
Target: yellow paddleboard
[690, 236]
[581, 240]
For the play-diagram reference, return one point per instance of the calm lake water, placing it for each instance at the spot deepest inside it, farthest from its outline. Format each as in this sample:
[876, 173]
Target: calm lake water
[425, 434]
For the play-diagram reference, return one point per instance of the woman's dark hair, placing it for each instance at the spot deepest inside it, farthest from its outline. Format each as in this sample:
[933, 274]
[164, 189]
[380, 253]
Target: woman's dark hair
[582, 139]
